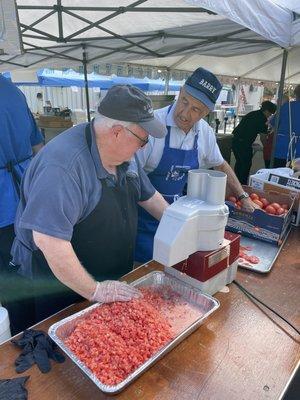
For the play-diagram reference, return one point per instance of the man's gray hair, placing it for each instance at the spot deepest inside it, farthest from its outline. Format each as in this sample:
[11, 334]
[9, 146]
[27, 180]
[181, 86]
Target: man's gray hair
[102, 121]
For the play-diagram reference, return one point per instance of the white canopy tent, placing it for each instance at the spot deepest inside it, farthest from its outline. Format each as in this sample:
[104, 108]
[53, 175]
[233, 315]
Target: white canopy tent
[55, 35]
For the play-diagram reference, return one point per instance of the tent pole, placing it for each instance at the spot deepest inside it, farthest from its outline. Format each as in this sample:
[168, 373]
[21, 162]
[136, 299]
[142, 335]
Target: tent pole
[279, 102]
[167, 81]
[86, 86]
[237, 91]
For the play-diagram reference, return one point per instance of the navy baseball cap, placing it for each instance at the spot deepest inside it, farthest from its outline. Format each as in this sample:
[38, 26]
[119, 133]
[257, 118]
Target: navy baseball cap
[204, 86]
[128, 103]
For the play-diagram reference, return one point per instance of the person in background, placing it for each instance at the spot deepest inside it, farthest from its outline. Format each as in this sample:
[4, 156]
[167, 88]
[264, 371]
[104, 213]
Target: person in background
[39, 103]
[267, 140]
[76, 222]
[189, 144]
[20, 139]
[244, 135]
[287, 147]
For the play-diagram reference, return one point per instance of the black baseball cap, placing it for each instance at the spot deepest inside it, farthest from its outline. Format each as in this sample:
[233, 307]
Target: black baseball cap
[128, 103]
[204, 86]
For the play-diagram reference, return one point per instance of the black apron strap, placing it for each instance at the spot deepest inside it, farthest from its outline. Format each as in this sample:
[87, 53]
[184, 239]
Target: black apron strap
[10, 168]
[88, 135]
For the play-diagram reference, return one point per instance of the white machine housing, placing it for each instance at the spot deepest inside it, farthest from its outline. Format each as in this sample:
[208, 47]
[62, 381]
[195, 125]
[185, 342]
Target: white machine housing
[195, 222]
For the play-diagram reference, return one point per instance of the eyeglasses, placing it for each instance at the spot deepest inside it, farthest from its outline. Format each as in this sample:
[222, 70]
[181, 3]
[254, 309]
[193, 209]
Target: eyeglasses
[144, 141]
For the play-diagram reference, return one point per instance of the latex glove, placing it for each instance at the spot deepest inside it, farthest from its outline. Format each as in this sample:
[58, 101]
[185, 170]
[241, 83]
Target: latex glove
[37, 348]
[110, 291]
[249, 205]
[13, 389]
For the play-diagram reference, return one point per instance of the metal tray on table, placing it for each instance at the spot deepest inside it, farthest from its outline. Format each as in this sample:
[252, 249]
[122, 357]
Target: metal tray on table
[266, 252]
[202, 304]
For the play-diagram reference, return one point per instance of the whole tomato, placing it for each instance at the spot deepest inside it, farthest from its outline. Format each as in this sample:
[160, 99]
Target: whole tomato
[254, 196]
[270, 209]
[275, 205]
[280, 211]
[258, 202]
[264, 201]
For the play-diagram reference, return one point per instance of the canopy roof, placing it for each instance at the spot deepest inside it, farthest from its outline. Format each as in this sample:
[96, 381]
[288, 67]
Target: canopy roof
[227, 36]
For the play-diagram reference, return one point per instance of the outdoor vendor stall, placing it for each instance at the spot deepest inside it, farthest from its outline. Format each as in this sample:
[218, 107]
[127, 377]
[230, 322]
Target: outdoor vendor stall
[214, 313]
[242, 350]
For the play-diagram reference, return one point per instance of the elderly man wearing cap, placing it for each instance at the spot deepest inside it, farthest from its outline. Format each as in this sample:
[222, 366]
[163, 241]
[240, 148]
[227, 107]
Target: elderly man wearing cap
[77, 219]
[190, 143]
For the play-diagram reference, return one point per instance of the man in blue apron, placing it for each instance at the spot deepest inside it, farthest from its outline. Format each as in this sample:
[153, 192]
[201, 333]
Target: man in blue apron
[20, 139]
[190, 143]
[76, 223]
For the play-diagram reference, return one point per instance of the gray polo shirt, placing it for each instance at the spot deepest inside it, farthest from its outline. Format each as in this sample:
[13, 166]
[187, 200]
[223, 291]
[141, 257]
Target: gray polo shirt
[62, 187]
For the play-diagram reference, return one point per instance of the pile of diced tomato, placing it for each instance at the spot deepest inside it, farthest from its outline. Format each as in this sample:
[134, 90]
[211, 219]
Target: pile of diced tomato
[115, 339]
[263, 203]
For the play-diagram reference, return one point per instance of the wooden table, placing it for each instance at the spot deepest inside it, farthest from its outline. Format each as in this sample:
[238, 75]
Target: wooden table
[239, 353]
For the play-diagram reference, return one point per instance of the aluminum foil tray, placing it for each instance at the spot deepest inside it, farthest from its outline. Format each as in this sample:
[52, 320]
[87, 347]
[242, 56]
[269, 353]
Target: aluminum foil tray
[203, 304]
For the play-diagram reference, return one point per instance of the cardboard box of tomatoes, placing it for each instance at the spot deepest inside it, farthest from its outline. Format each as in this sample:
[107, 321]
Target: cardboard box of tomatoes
[271, 182]
[270, 222]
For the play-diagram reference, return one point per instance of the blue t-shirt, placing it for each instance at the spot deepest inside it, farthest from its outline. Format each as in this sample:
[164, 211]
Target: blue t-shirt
[61, 187]
[18, 133]
[283, 134]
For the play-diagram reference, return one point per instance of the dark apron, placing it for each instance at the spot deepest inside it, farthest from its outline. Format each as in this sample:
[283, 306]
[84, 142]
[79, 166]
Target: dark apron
[103, 242]
[169, 178]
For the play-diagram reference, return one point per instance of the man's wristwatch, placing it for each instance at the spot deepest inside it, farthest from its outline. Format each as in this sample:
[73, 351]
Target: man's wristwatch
[242, 196]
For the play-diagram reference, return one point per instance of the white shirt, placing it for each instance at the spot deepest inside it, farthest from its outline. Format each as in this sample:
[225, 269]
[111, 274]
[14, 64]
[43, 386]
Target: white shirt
[209, 154]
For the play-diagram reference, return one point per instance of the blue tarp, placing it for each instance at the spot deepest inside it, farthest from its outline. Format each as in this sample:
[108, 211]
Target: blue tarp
[50, 77]
[148, 85]
[71, 78]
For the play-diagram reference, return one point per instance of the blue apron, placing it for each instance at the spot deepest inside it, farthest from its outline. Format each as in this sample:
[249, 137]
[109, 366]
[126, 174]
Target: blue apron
[169, 178]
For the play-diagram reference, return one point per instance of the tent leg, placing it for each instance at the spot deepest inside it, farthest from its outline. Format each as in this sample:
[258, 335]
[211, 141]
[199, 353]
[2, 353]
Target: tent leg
[86, 86]
[237, 91]
[279, 102]
[167, 81]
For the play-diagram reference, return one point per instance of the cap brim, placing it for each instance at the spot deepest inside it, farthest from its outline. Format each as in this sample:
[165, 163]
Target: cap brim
[199, 96]
[154, 128]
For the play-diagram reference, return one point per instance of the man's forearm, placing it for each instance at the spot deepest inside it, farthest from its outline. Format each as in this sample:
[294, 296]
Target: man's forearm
[235, 187]
[65, 264]
[232, 181]
[155, 206]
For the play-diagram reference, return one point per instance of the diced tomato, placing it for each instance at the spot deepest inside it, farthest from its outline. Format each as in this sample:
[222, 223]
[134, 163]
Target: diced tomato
[253, 259]
[248, 258]
[115, 339]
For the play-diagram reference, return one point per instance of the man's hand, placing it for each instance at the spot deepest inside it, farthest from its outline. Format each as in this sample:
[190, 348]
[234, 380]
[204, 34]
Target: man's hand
[249, 205]
[110, 291]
